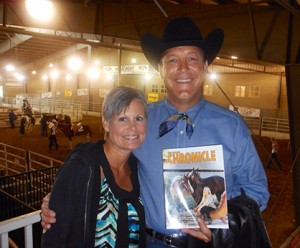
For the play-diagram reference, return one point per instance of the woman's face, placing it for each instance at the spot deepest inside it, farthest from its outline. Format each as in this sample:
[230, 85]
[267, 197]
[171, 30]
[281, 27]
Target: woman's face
[127, 130]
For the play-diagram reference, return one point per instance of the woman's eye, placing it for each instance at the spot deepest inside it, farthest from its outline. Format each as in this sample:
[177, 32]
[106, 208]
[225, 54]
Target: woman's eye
[122, 119]
[139, 118]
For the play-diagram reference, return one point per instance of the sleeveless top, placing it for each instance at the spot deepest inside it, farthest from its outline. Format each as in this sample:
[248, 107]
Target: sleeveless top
[121, 218]
[106, 225]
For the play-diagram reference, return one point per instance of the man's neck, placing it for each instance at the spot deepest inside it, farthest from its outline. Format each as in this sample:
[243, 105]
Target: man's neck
[182, 106]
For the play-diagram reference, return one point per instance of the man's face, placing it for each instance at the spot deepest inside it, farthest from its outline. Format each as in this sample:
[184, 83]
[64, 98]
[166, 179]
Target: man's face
[183, 71]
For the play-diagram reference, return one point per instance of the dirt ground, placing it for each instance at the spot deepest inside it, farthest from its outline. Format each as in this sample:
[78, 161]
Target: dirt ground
[279, 215]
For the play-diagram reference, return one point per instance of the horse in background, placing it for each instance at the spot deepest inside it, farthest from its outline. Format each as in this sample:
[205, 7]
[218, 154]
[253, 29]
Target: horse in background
[70, 129]
[66, 119]
[26, 122]
[75, 129]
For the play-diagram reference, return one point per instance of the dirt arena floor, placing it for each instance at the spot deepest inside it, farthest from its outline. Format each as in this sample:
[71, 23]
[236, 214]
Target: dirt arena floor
[279, 216]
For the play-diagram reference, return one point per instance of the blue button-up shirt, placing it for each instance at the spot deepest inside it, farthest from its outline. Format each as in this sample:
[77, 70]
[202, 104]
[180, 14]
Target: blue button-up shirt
[213, 125]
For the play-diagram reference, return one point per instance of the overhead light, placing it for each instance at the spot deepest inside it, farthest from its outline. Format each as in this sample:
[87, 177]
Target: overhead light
[9, 68]
[94, 41]
[44, 77]
[93, 73]
[19, 76]
[148, 76]
[54, 74]
[74, 63]
[41, 10]
[234, 57]
[213, 76]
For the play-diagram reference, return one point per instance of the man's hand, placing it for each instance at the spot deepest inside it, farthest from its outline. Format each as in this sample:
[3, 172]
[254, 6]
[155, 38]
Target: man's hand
[47, 215]
[203, 233]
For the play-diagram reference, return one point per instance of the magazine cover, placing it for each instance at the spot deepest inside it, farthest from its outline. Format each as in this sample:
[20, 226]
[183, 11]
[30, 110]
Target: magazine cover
[194, 184]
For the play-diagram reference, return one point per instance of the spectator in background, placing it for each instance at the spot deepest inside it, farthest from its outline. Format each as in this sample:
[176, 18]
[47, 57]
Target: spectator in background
[273, 156]
[52, 138]
[44, 127]
[12, 117]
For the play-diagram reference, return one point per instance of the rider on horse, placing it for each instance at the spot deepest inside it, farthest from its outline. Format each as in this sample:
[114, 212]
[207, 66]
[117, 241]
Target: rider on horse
[27, 110]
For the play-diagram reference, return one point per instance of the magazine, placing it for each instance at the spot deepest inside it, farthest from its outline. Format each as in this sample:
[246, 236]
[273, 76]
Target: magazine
[194, 184]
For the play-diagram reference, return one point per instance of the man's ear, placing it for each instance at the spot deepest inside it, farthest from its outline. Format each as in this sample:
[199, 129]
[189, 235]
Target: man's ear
[159, 69]
[206, 66]
[105, 125]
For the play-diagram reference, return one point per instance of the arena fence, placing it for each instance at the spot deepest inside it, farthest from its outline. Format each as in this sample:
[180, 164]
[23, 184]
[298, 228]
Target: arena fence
[271, 123]
[16, 160]
[20, 195]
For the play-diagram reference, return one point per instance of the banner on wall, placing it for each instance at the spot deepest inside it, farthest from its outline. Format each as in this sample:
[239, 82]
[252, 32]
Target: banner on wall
[248, 112]
[152, 97]
[110, 69]
[68, 92]
[82, 92]
[134, 69]
[126, 69]
[46, 94]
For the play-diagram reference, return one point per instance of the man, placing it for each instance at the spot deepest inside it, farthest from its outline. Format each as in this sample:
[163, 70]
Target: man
[182, 57]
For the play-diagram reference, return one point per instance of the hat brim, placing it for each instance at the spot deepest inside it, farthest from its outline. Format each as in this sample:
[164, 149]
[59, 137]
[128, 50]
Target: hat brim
[153, 47]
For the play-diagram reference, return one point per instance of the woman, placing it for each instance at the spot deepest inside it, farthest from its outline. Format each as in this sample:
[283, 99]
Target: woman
[96, 192]
[207, 204]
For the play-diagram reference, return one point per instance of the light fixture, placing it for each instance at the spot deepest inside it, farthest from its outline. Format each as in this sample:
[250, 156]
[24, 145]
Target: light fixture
[9, 68]
[44, 77]
[133, 60]
[93, 73]
[19, 76]
[41, 10]
[54, 74]
[74, 63]
[213, 76]
[148, 76]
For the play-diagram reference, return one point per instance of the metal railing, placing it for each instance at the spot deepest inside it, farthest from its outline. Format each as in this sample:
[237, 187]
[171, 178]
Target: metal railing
[16, 160]
[24, 221]
[266, 126]
[29, 188]
[20, 197]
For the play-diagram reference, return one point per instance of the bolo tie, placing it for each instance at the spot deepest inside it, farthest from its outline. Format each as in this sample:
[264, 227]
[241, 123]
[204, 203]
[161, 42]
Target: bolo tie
[171, 122]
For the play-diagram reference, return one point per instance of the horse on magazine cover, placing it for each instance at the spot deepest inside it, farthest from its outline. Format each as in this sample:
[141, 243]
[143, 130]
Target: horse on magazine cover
[181, 193]
[215, 183]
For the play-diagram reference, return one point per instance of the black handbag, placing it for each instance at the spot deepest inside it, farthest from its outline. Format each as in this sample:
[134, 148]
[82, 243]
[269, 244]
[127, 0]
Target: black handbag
[246, 227]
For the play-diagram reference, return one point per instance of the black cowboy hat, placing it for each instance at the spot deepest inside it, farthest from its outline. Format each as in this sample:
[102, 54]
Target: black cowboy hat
[181, 31]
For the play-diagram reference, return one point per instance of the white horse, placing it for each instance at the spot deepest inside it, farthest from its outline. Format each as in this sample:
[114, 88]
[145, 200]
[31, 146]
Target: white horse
[25, 121]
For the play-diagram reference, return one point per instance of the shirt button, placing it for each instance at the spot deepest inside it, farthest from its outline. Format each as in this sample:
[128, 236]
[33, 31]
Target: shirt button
[181, 132]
